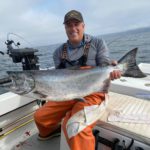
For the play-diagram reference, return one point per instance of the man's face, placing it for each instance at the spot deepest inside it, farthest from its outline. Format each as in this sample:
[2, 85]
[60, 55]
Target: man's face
[75, 31]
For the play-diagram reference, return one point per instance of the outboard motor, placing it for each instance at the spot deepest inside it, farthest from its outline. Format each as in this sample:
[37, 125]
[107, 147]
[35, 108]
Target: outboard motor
[26, 56]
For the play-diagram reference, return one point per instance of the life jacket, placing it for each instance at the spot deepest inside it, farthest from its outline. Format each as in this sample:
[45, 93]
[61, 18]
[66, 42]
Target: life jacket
[79, 62]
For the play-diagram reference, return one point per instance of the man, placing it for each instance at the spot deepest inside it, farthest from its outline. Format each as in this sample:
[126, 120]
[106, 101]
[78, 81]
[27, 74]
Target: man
[80, 50]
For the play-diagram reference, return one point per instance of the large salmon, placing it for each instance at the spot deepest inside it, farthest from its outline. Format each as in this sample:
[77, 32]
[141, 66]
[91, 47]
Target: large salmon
[68, 84]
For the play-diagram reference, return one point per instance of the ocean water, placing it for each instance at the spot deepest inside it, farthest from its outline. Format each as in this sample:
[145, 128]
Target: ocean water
[118, 44]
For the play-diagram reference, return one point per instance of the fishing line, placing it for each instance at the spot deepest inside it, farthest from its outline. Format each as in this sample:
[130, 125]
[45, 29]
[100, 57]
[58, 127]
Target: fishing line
[113, 40]
[19, 37]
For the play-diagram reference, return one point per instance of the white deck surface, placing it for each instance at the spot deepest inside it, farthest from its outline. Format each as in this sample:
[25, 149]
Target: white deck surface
[19, 140]
[140, 131]
[136, 87]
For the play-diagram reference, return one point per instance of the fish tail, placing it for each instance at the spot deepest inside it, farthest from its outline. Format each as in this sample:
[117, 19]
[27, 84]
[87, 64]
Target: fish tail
[131, 69]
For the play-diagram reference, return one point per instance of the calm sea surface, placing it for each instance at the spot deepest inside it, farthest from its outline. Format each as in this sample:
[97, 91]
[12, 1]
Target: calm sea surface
[118, 43]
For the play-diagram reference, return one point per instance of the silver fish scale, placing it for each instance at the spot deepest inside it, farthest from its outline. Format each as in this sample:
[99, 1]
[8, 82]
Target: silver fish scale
[66, 84]
[61, 84]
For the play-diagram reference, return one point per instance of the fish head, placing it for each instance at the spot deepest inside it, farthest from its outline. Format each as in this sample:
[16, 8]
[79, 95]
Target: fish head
[21, 82]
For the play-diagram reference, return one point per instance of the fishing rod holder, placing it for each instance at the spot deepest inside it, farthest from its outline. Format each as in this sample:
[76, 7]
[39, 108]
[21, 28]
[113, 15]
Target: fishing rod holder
[26, 56]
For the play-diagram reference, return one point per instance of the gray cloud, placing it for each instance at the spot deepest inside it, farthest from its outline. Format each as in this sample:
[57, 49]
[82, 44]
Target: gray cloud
[117, 15]
[21, 17]
[40, 21]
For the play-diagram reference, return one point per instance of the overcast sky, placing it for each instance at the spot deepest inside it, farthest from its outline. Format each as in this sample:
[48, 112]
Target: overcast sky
[41, 21]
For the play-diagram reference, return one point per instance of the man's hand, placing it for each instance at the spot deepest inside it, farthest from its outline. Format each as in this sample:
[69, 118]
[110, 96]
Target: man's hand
[116, 73]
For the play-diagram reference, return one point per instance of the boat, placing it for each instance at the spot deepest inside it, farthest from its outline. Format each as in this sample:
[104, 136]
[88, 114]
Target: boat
[18, 130]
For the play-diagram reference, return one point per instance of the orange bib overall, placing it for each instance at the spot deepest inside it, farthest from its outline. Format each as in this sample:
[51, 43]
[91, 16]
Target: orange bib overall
[76, 127]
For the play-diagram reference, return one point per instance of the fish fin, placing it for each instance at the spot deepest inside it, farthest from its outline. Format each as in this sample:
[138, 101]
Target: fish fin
[81, 99]
[106, 84]
[41, 95]
[86, 67]
[80, 67]
[132, 69]
[74, 68]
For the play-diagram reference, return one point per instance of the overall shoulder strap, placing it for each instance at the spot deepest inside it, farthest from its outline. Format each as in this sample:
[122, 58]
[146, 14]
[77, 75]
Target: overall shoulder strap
[63, 58]
[84, 57]
[86, 48]
[64, 54]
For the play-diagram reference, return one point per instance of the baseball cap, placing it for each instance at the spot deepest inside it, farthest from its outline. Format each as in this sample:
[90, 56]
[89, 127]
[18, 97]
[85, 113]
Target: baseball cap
[73, 14]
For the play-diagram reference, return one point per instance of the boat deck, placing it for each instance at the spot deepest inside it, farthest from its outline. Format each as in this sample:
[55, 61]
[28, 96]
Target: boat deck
[25, 137]
[136, 87]
[130, 106]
